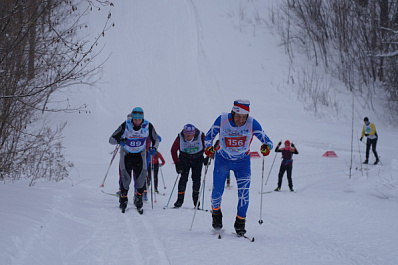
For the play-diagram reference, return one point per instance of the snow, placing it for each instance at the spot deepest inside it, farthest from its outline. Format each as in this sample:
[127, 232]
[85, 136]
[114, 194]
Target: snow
[186, 62]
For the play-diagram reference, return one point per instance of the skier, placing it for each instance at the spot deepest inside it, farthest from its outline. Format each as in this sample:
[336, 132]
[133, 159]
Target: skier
[286, 164]
[236, 131]
[132, 135]
[187, 153]
[369, 130]
[155, 164]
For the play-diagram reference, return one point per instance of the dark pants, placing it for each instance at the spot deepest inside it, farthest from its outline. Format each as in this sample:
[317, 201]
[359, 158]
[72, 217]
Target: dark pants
[371, 143]
[282, 170]
[132, 165]
[155, 175]
[196, 166]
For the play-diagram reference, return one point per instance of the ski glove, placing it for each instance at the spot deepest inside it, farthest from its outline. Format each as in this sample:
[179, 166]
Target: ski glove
[122, 141]
[265, 150]
[178, 168]
[210, 151]
[366, 134]
[206, 160]
[152, 151]
[360, 139]
[292, 144]
[279, 144]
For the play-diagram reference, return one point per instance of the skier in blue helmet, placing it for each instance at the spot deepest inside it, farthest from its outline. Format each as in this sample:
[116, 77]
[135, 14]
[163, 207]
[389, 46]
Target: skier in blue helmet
[132, 135]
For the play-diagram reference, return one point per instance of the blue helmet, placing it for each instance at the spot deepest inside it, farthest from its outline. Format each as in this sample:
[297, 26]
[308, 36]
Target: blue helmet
[137, 113]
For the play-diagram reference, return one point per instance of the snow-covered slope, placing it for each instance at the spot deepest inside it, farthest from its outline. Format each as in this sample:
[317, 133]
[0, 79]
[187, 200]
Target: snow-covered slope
[185, 62]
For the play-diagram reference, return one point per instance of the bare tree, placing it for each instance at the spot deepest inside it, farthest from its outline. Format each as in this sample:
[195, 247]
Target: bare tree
[40, 53]
[356, 40]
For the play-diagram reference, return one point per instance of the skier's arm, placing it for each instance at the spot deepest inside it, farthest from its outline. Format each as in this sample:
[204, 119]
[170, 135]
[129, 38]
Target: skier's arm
[260, 134]
[154, 136]
[117, 135]
[277, 147]
[161, 158]
[174, 150]
[294, 149]
[212, 133]
[363, 132]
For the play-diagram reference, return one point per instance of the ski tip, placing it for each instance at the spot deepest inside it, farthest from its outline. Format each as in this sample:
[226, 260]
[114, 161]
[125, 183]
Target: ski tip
[252, 240]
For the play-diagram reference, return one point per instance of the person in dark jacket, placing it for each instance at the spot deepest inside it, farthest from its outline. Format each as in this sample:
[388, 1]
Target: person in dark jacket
[187, 153]
[132, 135]
[286, 164]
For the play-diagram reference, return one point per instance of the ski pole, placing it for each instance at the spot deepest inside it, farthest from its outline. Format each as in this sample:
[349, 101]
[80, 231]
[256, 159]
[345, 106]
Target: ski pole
[270, 168]
[360, 158]
[161, 173]
[175, 182]
[110, 164]
[196, 207]
[203, 196]
[260, 221]
[152, 179]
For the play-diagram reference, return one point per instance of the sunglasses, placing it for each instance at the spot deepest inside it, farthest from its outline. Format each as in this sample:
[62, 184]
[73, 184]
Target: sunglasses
[138, 112]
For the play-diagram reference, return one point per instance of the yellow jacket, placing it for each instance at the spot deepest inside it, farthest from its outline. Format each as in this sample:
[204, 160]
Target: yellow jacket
[370, 130]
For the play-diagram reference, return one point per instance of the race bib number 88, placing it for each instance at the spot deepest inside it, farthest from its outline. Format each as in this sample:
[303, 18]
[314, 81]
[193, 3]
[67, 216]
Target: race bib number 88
[235, 141]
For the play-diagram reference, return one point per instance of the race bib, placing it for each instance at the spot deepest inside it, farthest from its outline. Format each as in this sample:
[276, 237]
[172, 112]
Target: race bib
[237, 141]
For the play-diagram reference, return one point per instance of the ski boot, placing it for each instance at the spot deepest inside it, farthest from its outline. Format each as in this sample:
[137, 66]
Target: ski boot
[217, 219]
[179, 202]
[277, 189]
[377, 161]
[138, 202]
[123, 201]
[291, 189]
[365, 162]
[240, 226]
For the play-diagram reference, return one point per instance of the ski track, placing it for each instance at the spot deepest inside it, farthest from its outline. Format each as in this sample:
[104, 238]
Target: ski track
[144, 241]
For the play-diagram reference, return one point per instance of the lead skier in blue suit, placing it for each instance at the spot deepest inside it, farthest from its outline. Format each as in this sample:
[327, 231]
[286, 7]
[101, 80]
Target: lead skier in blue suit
[236, 131]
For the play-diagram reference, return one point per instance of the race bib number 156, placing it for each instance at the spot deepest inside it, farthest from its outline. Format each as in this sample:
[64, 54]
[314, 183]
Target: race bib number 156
[235, 141]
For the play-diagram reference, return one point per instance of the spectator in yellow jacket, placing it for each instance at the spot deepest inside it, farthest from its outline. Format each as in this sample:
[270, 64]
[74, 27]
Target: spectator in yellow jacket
[369, 130]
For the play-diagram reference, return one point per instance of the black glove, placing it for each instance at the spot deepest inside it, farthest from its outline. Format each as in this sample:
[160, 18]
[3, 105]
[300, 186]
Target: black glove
[206, 160]
[366, 134]
[178, 168]
[279, 144]
[360, 139]
[122, 141]
[292, 144]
